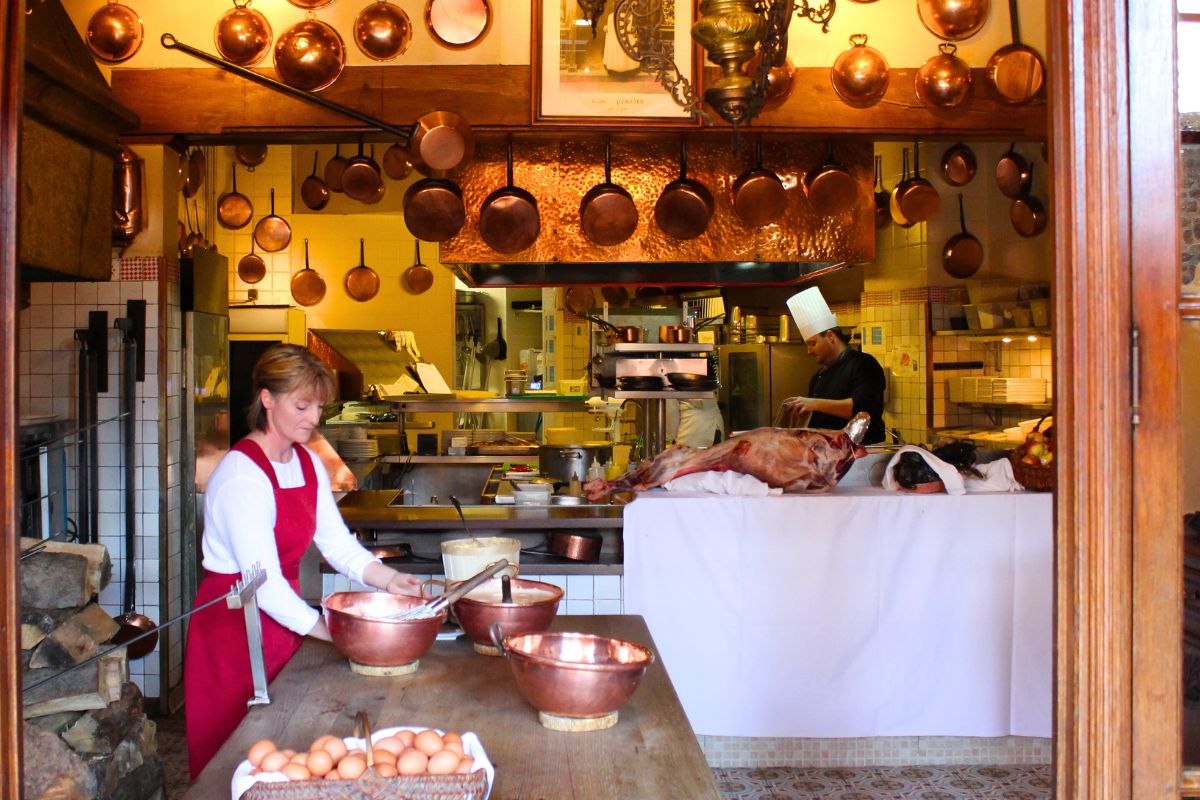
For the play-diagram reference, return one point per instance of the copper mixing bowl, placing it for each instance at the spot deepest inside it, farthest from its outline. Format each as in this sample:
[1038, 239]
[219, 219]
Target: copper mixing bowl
[576, 674]
[355, 621]
[533, 608]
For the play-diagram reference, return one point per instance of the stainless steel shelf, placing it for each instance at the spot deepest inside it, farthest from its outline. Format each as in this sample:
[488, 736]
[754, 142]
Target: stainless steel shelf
[667, 394]
[393, 458]
[499, 404]
[651, 347]
[998, 333]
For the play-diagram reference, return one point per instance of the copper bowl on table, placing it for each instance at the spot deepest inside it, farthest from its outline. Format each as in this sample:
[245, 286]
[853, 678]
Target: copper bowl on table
[358, 628]
[575, 675]
[533, 607]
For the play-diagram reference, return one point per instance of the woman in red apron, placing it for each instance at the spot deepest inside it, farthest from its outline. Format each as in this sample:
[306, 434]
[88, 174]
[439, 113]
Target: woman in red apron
[267, 476]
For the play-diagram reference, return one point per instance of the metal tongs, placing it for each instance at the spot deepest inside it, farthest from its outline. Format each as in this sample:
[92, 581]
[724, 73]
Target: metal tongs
[435, 606]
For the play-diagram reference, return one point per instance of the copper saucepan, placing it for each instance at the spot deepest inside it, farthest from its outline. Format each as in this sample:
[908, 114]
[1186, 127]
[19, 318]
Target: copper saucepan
[758, 195]
[919, 201]
[963, 254]
[251, 268]
[883, 214]
[897, 212]
[674, 334]
[273, 233]
[433, 209]
[1028, 214]
[243, 35]
[234, 209]
[441, 140]
[509, 221]
[250, 155]
[310, 55]
[362, 282]
[579, 300]
[831, 188]
[308, 287]
[362, 179]
[685, 205]
[613, 334]
[1013, 173]
[615, 295]
[334, 168]
[958, 165]
[607, 215]
[313, 191]
[396, 163]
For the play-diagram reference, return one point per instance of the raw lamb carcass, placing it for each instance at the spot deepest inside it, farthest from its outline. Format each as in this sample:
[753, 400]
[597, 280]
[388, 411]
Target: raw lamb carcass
[794, 459]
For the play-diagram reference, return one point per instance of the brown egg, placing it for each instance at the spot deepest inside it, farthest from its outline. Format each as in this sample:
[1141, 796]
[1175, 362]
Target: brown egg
[299, 758]
[405, 737]
[384, 757]
[465, 764]
[296, 772]
[428, 742]
[336, 748]
[351, 767]
[451, 736]
[391, 745]
[411, 762]
[386, 770]
[320, 762]
[332, 775]
[454, 747]
[319, 743]
[260, 750]
[274, 762]
[443, 763]
[289, 753]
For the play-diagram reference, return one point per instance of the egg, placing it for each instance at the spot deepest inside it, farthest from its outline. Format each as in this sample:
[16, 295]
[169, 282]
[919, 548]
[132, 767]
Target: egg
[351, 767]
[289, 753]
[260, 750]
[454, 747]
[390, 744]
[405, 737]
[320, 762]
[443, 763]
[336, 748]
[384, 756]
[465, 764]
[451, 736]
[428, 742]
[299, 758]
[296, 772]
[386, 771]
[273, 762]
[411, 762]
[319, 743]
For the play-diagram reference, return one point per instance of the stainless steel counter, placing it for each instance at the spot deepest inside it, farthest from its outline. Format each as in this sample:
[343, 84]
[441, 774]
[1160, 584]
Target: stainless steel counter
[370, 509]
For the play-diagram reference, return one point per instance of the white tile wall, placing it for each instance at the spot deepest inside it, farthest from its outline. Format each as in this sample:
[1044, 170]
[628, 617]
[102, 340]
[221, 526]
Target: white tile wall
[585, 594]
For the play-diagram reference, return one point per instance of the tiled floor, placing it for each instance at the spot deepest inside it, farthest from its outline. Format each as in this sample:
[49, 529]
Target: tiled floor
[887, 783]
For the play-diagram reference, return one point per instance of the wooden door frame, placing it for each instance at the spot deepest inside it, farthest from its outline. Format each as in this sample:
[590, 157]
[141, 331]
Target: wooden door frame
[1117, 688]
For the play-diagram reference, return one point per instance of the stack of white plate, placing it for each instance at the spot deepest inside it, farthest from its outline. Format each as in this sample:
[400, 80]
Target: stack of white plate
[358, 448]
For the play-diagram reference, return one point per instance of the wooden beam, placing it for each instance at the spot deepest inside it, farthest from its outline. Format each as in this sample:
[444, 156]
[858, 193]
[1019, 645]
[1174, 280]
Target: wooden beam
[201, 102]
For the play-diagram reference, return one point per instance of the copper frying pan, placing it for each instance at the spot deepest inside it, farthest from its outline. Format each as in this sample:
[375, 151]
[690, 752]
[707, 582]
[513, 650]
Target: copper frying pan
[883, 214]
[919, 201]
[1016, 71]
[579, 300]
[1013, 174]
[830, 188]
[234, 209]
[963, 254]
[251, 268]
[685, 206]
[308, 287]
[313, 192]
[362, 282]
[250, 155]
[334, 168]
[418, 278]
[758, 195]
[509, 221]
[273, 233]
[958, 165]
[1027, 214]
[396, 163]
[897, 212]
[615, 295]
[361, 178]
[441, 140]
[607, 215]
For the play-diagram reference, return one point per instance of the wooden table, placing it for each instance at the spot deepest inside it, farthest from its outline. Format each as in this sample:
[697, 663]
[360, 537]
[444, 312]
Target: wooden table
[651, 752]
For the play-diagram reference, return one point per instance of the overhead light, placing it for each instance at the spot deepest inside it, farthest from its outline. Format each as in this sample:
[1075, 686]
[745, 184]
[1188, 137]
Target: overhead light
[1006, 339]
[1031, 338]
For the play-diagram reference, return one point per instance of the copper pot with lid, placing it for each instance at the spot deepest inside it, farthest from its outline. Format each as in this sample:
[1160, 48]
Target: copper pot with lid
[860, 74]
[944, 81]
[243, 35]
[607, 215]
[310, 55]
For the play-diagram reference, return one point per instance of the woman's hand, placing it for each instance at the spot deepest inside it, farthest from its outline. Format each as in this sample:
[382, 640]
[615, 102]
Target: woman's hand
[403, 583]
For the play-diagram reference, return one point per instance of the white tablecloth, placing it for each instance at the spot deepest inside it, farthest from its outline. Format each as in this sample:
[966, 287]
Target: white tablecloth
[856, 613]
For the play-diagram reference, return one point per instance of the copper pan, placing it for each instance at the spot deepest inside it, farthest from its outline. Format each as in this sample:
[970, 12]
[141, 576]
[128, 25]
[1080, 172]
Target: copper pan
[382, 31]
[531, 609]
[779, 80]
[434, 210]
[897, 212]
[250, 155]
[234, 209]
[607, 215]
[396, 163]
[362, 282]
[243, 35]
[193, 172]
[579, 300]
[883, 214]
[310, 55]
[313, 191]
[958, 165]
[919, 201]
[1016, 71]
[441, 140]
[685, 206]
[251, 268]
[758, 195]
[273, 233]
[615, 295]
[361, 179]
[830, 188]
[1028, 214]
[674, 334]
[963, 254]
[509, 221]
[953, 20]
[334, 168]
[310, 4]
[860, 74]
[944, 81]
[1013, 173]
[418, 278]
[114, 33]
[458, 24]
[308, 287]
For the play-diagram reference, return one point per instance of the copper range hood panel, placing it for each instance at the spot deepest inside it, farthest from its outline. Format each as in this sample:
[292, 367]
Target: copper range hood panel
[559, 173]
[668, 273]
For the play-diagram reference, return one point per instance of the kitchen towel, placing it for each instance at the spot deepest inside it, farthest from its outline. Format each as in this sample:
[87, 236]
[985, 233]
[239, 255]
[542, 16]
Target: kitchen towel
[727, 482]
[946, 472]
[997, 477]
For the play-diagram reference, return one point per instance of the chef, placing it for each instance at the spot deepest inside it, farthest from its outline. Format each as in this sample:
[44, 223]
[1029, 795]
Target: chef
[847, 382]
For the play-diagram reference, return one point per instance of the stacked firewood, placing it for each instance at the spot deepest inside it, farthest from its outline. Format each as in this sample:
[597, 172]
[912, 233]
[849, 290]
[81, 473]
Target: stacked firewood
[86, 734]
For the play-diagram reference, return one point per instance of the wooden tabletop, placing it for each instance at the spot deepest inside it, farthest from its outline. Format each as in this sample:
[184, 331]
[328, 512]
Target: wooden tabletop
[651, 752]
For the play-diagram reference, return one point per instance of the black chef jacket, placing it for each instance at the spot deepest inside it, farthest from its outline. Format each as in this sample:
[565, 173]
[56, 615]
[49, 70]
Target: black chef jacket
[857, 376]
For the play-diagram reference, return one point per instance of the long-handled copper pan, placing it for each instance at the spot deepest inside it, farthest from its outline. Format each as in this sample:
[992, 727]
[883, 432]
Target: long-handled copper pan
[685, 206]
[308, 287]
[1016, 70]
[362, 179]
[362, 282]
[963, 254]
[251, 268]
[334, 168]
[418, 278]
[234, 209]
[433, 209]
[1028, 214]
[897, 212]
[883, 214]
[273, 233]
[314, 192]
[918, 199]
[1013, 174]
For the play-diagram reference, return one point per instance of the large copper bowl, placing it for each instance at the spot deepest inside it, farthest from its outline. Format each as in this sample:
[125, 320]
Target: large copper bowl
[355, 621]
[310, 55]
[576, 674]
[532, 610]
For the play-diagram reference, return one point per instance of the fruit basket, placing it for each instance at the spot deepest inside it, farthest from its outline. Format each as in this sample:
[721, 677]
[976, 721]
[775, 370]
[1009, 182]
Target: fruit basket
[1037, 478]
[1033, 460]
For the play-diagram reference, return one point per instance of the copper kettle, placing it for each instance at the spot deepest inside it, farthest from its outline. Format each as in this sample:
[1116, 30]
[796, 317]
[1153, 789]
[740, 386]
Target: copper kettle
[860, 73]
[944, 81]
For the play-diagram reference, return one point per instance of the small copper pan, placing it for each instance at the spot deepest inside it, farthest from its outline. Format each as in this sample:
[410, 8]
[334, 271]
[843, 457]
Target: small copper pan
[334, 168]
[1027, 214]
[234, 209]
[897, 212]
[830, 188]
[362, 282]
[758, 195]
[308, 287]
[575, 545]
[1016, 71]
[418, 278]
[607, 215]
[251, 268]
[361, 178]
[1013, 174]
[509, 221]
[396, 164]
[313, 192]
[441, 140]
[273, 233]
[685, 205]
[918, 199]
[958, 165]
[250, 155]
[963, 254]
[579, 300]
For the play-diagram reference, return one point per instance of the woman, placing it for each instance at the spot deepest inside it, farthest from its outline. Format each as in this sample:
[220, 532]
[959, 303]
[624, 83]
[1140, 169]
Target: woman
[265, 502]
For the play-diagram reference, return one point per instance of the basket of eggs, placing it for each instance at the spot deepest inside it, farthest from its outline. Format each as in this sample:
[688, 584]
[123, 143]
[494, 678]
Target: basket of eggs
[400, 763]
[1033, 459]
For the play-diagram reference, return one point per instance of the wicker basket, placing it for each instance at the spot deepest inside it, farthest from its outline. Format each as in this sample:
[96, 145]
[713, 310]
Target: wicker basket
[1037, 478]
[473, 786]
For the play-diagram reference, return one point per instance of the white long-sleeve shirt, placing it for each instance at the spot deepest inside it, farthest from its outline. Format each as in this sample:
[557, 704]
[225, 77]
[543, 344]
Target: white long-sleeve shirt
[240, 531]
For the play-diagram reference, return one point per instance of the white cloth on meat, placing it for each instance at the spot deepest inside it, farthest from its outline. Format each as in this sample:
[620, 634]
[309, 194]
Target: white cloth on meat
[947, 473]
[728, 482]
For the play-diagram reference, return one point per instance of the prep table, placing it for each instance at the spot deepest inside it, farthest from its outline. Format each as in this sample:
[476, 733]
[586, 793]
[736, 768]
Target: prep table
[651, 752]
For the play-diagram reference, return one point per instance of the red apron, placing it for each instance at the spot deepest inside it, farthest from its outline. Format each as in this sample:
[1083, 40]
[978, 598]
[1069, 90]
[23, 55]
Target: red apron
[217, 680]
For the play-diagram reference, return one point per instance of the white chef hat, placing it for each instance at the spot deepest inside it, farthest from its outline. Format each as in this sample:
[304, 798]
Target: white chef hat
[811, 312]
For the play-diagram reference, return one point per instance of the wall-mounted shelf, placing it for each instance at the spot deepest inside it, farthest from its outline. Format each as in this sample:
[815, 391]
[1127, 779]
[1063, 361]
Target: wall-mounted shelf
[998, 334]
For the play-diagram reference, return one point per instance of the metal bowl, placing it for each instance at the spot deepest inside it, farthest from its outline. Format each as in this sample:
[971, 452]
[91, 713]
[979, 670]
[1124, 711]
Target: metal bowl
[576, 674]
[533, 609]
[355, 621]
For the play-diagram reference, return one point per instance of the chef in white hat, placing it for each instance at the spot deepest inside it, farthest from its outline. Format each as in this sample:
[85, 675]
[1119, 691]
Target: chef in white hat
[848, 381]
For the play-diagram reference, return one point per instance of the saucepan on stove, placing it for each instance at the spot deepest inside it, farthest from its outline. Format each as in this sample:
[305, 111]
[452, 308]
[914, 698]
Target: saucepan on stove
[575, 546]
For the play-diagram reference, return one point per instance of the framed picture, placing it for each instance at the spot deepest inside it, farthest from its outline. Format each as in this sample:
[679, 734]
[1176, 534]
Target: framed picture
[584, 76]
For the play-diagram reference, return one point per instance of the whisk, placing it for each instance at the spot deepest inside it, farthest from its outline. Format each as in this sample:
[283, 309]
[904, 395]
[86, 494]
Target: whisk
[435, 606]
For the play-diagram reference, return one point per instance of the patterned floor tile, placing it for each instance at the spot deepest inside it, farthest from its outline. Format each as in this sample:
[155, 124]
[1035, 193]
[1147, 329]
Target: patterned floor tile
[888, 783]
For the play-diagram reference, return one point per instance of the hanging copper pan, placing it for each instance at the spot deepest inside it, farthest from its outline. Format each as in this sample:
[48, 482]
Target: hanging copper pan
[883, 214]
[313, 192]
[894, 199]
[243, 35]
[944, 81]
[418, 278]
[1028, 214]
[433, 209]
[441, 140]
[250, 155]
[273, 233]
[308, 287]
[953, 20]
[234, 209]
[114, 33]
[382, 31]
[310, 4]
[310, 55]
[758, 195]
[919, 201]
[830, 188]
[1016, 71]
[509, 221]
[615, 295]
[193, 174]
[958, 165]
[963, 254]
[685, 206]
[396, 164]
[579, 300]
[129, 190]
[1013, 173]
[251, 268]
[860, 74]
[361, 178]
[334, 168]
[362, 282]
[607, 215]
[202, 241]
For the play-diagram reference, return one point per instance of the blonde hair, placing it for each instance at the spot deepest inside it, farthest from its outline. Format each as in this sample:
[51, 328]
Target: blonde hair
[283, 369]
